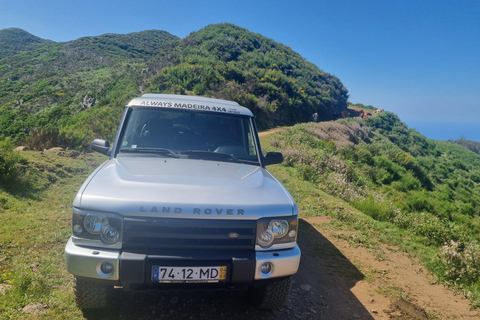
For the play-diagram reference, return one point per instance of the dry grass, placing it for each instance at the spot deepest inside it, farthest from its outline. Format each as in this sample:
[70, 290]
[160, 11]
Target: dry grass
[342, 133]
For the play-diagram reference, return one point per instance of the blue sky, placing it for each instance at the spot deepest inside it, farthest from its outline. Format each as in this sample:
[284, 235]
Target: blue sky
[419, 59]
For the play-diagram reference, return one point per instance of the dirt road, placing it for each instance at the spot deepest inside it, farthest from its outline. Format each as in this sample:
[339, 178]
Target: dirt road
[264, 133]
[329, 285]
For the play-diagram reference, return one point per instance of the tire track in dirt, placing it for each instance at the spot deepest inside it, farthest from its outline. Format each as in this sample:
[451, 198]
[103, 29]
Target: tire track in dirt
[395, 271]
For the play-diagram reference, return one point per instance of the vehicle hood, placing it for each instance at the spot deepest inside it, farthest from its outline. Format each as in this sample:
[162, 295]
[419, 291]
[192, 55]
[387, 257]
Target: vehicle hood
[184, 188]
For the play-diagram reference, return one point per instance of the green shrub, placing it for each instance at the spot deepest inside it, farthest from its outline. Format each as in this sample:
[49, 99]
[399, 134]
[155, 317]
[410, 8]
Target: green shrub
[364, 156]
[307, 173]
[407, 183]
[376, 206]
[9, 163]
[391, 171]
[475, 177]
[459, 165]
[468, 209]
[419, 201]
[40, 139]
[445, 209]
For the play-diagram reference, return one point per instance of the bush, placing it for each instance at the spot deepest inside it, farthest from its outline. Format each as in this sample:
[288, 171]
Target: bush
[388, 170]
[364, 156]
[377, 207]
[475, 177]
[462, 261]
[9, 163]
[41, 139]
[426, 225]
[307, 173]
[419, 201]
[468, 209]
[407, 183]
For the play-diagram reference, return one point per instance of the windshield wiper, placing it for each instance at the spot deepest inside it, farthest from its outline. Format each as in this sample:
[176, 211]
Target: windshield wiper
[210, 155]
[163, 151]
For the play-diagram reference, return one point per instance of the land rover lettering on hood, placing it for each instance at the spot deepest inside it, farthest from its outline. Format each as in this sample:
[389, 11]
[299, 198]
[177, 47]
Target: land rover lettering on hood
[184, 201]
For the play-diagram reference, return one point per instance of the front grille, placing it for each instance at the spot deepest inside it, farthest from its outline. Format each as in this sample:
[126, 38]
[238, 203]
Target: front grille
[168, 233]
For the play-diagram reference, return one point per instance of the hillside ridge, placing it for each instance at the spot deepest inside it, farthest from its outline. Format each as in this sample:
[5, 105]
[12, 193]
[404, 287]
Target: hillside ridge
[16, 40]
[60, 91]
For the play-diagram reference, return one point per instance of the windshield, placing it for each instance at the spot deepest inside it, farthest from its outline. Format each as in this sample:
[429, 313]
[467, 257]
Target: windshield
[189, 134]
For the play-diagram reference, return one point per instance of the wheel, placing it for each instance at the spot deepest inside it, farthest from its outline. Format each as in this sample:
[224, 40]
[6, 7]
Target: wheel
[273, 295]
[91, 295]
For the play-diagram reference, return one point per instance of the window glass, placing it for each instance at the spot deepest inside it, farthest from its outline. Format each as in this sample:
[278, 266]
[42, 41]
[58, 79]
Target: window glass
[182, 131]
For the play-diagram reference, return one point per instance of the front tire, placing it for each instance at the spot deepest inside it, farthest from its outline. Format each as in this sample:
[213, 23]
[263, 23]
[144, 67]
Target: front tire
[91, 295]
[273, 295]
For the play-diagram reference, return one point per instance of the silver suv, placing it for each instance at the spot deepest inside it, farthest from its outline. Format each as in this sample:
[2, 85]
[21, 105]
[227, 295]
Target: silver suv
[183, 202]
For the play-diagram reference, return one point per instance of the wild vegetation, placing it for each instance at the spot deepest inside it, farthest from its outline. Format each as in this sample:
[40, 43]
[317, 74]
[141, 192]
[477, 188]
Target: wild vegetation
[428, 190]
[69, 93]
[14, 40]
[276, 83]
[469, 144]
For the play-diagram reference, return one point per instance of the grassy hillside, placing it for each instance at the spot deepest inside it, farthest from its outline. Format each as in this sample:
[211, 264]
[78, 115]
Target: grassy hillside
[35, 215]
[428, 189]
[379, 164]
[66, 94]
[276, 83]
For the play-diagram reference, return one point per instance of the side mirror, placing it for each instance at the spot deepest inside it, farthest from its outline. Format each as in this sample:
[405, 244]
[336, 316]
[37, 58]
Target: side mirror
[273, 158]
[102, 146]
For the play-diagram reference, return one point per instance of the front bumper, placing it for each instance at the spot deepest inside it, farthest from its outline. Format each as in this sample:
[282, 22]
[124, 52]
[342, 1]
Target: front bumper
[132, 270]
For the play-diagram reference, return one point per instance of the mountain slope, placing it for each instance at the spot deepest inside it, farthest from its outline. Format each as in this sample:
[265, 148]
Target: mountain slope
[276, 83]
[425, 188]
[78, 88]
[69, 93]
[14, 40]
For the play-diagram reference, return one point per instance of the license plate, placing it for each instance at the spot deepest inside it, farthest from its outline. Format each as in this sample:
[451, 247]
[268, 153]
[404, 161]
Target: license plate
[188, 274]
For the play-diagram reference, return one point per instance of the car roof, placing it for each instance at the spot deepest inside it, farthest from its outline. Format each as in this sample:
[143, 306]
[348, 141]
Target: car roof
[174, 101]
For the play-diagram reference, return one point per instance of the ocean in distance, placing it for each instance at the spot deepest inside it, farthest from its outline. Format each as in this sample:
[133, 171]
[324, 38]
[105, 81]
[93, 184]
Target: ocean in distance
[446, 130]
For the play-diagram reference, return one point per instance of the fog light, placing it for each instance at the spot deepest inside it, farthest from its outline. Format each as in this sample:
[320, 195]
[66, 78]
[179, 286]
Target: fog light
[292, 234]
[266, 269]
[105, 269]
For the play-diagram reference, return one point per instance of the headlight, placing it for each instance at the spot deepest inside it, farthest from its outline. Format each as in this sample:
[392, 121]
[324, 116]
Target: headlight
[94, 224]
[279, 228]
[265, 239]
[97, 228]
[272, 231]
[110, 235]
